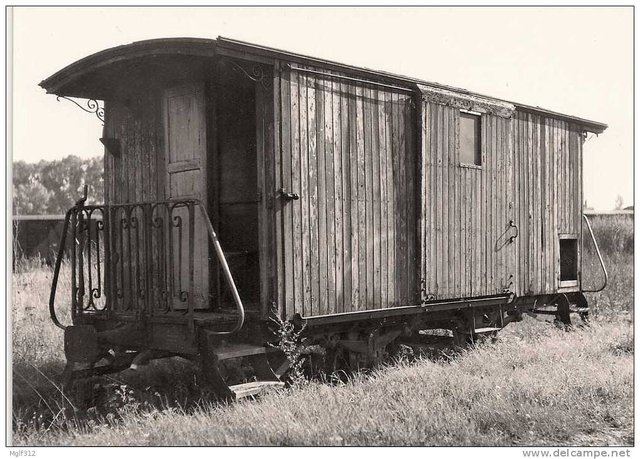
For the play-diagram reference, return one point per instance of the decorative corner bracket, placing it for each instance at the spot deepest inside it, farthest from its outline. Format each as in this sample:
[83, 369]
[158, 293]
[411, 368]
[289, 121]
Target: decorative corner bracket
[256, 73]
[92, 106]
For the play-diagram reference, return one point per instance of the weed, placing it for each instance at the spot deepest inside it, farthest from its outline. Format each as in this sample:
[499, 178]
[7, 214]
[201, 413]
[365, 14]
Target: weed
[289, 341]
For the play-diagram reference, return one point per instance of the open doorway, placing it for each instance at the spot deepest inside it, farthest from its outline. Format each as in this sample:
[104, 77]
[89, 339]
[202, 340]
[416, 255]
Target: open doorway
[235, 194]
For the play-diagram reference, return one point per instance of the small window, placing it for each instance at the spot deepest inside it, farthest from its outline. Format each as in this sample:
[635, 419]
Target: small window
[470, 151]
[568, 259]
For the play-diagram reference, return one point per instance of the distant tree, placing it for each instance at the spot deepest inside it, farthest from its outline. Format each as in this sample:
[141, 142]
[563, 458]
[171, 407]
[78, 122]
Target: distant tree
[54, 186]
[31, 198]
[619, 202]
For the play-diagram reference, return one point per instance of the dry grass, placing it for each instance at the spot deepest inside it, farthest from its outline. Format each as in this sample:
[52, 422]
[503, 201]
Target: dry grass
[536, 386]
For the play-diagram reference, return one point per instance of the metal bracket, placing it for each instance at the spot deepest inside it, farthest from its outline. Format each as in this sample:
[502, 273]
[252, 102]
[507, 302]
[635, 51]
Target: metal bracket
[512, 224]
[282, 192]
[92, 106]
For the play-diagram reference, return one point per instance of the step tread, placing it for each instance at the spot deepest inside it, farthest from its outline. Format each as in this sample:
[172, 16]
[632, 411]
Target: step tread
[487, 329]
[484, 330]
[253, 388]
[233, 350]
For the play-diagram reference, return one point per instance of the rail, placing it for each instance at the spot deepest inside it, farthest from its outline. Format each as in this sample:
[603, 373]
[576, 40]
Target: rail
[604, 269]
[226, 271]
[56, 272]
[139, 260]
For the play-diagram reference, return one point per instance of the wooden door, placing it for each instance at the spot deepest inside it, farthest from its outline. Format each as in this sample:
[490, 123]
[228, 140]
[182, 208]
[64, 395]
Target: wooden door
[185, 158]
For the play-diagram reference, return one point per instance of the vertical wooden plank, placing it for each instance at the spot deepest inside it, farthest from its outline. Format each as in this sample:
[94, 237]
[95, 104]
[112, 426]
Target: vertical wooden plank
[403, 198]
[338, 195]
[353, 188]
[496, 200]
[535, 204]
[361, 177]
[375, 198]
[295, 206]
[313, 173]
[278, 210]
[304, 191]
[286, 183]
[268, 270]
[437, 142]
[443, 146]
[413, 194]
[322, 195]
[426, 196]
[346, 196]
[456, 222]
[391, 233]
[368, 197]
[546, 222]
[511, 258]
[383, 154]
[555, 263]
[521, 211]
[433, 200]
[525, 189]
[390, 198]
[481, 199]
[500, 199]
[464, 205]
[329, 198]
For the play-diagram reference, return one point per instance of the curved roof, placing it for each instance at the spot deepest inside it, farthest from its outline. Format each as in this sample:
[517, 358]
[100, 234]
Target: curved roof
[72, 80]
[94, 76]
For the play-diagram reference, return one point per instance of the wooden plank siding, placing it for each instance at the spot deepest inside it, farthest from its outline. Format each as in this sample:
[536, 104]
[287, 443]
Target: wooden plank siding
[466, 208]
[548, 178]
[137, 173]
[349, 151]
[368, 232]
[530, 173]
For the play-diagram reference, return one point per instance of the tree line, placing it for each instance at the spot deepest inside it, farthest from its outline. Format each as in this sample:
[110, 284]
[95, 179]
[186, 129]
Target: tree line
[51, 187]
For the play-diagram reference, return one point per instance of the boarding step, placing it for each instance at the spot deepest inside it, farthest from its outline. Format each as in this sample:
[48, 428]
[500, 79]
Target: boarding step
[233, 350]
[479, 331]
[253, 388]
[552, 310]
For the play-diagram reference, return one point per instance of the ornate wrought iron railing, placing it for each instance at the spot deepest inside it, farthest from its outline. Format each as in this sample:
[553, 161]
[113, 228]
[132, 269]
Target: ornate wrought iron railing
[141, 260]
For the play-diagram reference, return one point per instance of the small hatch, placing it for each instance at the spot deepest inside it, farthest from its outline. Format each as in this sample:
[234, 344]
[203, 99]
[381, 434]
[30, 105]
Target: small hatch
[568, 261]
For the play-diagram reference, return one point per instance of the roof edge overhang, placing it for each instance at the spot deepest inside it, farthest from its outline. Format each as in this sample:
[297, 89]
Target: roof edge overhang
[413, 83]
[61, 82]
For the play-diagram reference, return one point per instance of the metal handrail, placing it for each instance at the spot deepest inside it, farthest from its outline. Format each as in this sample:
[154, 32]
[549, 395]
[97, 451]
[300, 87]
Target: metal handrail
[225, 269]
[595, 244]
[56, 272]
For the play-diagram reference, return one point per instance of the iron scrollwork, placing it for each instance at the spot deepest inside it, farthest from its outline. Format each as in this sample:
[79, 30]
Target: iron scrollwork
[92, 106]
[256, 73]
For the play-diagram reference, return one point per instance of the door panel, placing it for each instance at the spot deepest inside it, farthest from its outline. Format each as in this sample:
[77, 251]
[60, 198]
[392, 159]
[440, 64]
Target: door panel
[185, 140]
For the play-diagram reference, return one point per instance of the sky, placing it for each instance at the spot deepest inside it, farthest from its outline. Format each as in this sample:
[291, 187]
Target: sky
[574, 60]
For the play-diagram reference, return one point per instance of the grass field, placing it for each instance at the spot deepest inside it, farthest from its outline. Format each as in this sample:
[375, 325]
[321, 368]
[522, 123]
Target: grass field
[537, 385]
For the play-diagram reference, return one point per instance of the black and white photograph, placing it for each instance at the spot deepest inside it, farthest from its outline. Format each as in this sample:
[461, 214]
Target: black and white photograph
[323, 226]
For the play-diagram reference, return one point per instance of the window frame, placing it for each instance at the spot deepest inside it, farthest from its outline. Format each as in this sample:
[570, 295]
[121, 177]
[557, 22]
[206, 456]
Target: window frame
[480, 140]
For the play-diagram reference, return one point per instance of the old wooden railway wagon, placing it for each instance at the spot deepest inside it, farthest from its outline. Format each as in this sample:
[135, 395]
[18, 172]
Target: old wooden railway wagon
[244, 183]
